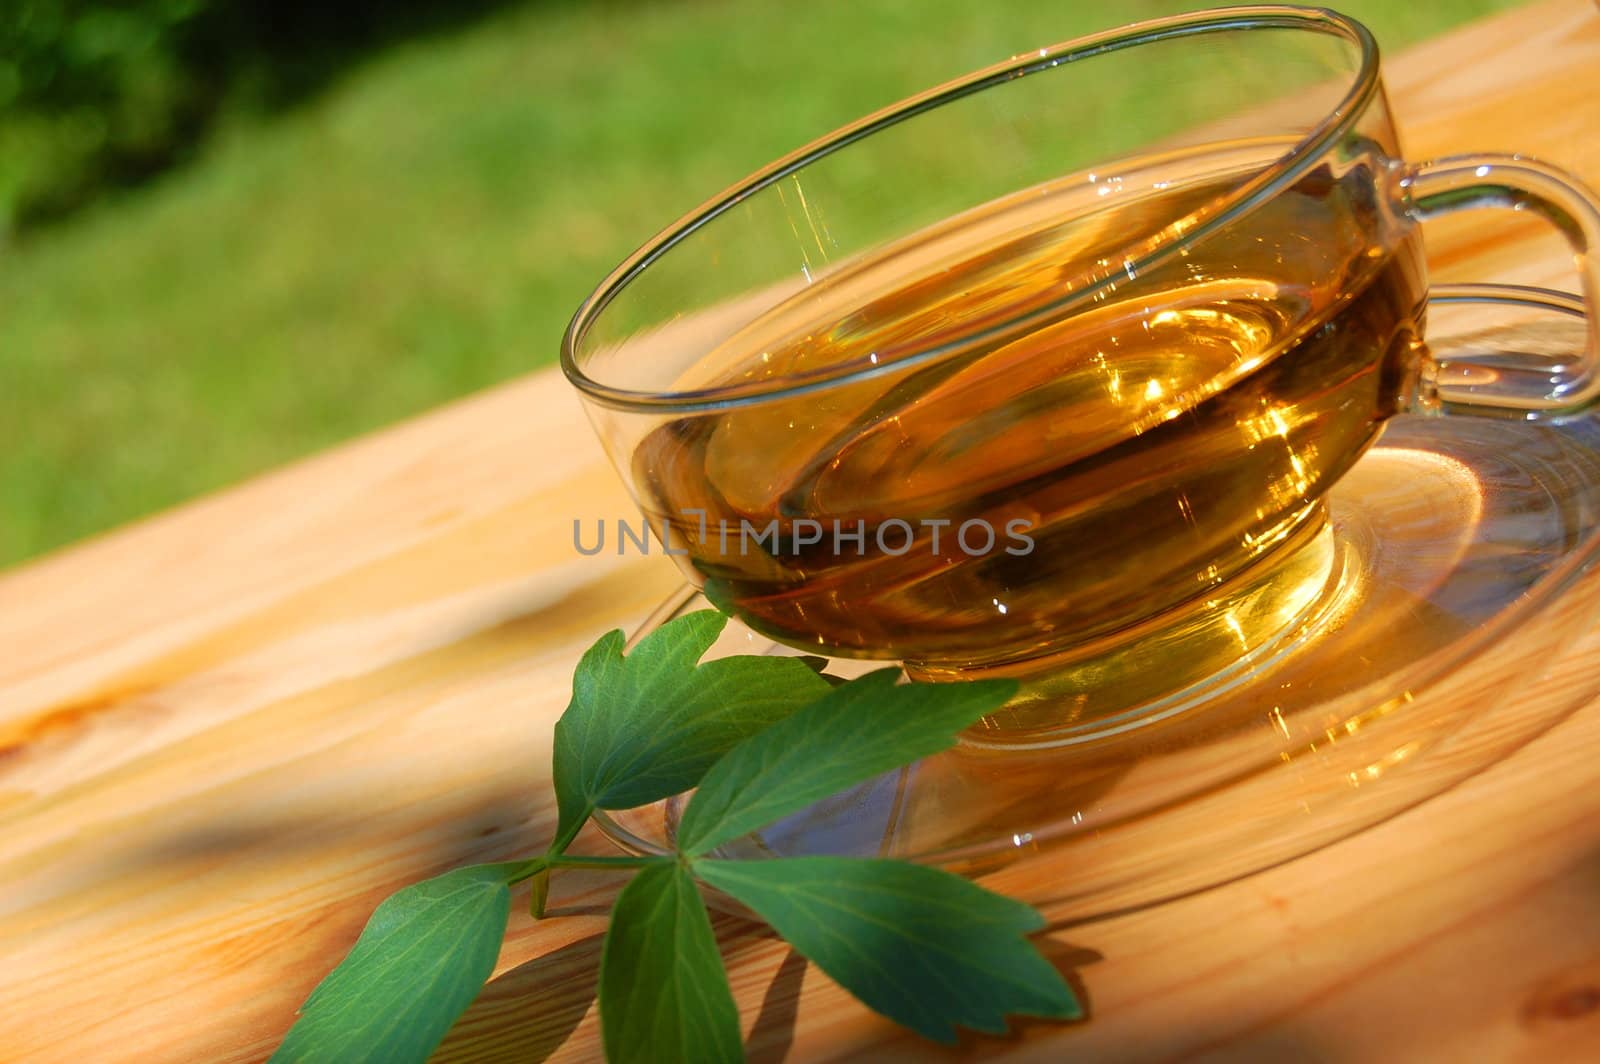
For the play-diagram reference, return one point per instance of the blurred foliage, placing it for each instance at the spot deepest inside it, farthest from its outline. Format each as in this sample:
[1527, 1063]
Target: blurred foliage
[89, 92]
[99, 94]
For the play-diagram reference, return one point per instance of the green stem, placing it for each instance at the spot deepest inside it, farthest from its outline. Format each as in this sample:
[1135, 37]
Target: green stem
[539, 868]
[604, 862]
[531, 868]
[562, 841]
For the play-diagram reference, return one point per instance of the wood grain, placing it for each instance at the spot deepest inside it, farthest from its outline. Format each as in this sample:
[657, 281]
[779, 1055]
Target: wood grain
[227, 732]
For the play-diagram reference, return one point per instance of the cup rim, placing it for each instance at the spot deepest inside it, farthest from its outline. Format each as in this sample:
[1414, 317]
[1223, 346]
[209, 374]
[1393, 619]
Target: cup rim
[1223, 209]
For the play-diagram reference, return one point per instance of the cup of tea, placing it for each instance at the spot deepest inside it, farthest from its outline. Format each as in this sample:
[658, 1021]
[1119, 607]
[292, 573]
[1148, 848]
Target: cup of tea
[1057, 361]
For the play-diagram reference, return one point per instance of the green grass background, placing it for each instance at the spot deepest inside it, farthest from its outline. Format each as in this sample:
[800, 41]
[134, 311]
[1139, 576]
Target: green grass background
[425, 227]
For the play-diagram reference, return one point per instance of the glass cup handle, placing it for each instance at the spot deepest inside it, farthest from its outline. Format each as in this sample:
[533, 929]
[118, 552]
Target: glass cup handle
[1514, 384]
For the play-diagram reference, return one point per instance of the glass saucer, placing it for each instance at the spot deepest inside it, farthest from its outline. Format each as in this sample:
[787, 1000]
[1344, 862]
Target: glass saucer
[1459, 560]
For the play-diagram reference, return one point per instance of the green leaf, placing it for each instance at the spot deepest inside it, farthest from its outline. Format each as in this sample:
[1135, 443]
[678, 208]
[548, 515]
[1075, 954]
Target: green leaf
[854, 732]
[664, 995]
[926, 948]
[647, 726]
[419, 963]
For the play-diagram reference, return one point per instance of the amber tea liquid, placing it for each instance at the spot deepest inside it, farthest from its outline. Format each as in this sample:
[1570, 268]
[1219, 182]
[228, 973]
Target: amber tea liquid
[1152, 444]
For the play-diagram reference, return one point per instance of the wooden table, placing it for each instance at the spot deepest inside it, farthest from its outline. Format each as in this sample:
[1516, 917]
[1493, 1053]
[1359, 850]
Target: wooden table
[228, 732]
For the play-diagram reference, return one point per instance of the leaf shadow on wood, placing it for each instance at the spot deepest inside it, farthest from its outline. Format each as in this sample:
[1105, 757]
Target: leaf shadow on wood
[1069, 960]
[530, 1011]
[468, 829]
[772, 1035]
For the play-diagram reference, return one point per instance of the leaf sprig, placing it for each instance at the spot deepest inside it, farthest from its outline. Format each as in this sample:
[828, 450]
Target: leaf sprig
[759, 738]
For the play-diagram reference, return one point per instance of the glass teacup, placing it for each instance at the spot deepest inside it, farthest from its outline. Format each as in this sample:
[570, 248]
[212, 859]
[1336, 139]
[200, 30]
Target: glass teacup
[1045, 372]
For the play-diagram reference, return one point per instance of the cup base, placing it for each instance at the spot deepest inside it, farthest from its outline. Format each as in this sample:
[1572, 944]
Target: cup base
[1177, 661]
